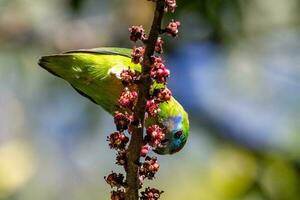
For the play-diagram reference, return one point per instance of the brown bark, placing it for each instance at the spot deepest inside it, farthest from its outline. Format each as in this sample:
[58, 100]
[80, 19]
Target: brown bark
[136, 142]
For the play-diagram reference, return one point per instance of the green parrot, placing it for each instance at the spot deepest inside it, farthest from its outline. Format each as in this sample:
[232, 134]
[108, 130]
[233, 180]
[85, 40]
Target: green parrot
[95, 74]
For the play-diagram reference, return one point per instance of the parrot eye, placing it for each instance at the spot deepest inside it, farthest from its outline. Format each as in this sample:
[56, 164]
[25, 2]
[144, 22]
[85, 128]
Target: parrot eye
[178, 134]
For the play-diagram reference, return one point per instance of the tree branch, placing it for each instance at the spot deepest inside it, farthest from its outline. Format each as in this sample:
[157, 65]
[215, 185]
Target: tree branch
[136, 142]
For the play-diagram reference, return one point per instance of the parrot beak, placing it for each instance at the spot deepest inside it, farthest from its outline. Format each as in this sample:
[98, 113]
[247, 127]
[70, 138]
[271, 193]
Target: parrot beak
[164, 143]
[163, 148]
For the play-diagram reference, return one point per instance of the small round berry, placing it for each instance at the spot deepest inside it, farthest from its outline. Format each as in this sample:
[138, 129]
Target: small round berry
[137, 33]
[152, 108]
[170, 6]
[121, 158]
[151, 194]
[137, 54]
[122, 120]
[159, 72]
[144, 150]
[118, 195]
[159, 45]
[164, 95]
[149, 168]
[172, 28]
[127, 98]
[118, 140]
[155, 135]
[115, 180]
[128, 76]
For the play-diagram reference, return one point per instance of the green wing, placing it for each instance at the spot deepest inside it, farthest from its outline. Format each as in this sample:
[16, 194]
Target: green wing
[105, 50]
[92, 72]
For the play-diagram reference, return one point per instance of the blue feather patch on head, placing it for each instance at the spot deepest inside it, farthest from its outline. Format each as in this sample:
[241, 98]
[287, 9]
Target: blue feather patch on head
[173, 123]
[174, 143]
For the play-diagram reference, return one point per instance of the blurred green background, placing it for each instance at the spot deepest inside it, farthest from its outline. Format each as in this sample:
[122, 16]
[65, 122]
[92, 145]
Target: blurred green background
[235, 68]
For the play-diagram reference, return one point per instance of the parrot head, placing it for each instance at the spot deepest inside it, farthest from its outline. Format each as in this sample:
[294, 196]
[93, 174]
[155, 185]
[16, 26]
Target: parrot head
[177, 131]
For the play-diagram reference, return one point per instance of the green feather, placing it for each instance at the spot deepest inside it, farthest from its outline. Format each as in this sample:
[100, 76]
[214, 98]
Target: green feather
[92, 73]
